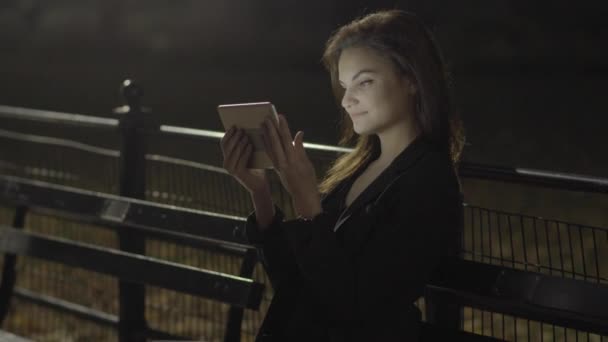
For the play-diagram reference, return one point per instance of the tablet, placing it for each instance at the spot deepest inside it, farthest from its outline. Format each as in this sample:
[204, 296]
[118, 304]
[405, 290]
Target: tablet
[249, 117]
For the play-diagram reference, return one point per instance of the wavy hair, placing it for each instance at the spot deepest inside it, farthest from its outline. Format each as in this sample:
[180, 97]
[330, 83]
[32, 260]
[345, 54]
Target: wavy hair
[409, 44]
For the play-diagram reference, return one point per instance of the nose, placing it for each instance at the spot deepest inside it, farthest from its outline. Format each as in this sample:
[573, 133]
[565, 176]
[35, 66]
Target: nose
[348, 99]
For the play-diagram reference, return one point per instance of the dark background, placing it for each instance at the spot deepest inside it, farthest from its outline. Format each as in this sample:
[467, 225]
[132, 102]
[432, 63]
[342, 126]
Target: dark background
[530, 76]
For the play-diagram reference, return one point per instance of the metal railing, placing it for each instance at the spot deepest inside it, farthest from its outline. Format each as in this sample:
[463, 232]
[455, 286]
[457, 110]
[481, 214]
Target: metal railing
[191, 177]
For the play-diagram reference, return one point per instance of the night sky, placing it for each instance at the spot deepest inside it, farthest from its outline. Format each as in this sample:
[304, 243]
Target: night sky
[530, 77]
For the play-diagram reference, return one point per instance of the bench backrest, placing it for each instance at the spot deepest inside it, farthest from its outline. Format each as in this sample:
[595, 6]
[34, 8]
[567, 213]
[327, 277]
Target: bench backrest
[201, 229]
[571, 303]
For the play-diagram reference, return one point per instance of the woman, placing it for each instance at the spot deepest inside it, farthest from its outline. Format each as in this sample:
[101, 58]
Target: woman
[367, 240]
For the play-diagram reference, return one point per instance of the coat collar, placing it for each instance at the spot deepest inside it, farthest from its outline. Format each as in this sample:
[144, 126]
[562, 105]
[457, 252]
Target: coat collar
[400, 164]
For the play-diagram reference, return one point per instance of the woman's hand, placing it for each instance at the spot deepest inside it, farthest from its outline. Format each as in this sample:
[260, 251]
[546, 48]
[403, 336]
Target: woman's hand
[291, 163]
[237, 150]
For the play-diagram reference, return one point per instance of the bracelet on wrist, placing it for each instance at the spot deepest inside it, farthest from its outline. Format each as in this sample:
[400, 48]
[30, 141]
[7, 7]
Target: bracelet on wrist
[308, 218]
[303, 218]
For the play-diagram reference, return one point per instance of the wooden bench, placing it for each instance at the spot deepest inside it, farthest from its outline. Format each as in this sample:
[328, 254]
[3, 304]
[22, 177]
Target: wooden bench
[147, 220]
[555, 300]
[569, 303]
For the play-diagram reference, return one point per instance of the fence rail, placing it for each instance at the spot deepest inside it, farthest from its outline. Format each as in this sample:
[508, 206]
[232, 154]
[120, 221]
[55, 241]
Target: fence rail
[558, 180]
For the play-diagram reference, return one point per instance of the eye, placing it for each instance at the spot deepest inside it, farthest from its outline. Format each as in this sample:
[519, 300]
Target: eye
[365, 83]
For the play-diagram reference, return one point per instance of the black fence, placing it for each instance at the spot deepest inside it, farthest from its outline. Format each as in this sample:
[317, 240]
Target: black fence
[130, 156]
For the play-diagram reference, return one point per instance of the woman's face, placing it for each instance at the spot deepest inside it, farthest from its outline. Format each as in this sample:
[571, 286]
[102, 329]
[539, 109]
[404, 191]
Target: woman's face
[376, 95]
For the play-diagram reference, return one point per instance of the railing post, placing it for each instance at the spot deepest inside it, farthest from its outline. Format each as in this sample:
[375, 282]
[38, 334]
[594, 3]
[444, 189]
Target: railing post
[132, 325]
[9, 274]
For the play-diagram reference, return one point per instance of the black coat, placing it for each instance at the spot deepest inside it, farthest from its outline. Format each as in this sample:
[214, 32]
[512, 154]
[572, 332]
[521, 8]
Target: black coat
[359, 283]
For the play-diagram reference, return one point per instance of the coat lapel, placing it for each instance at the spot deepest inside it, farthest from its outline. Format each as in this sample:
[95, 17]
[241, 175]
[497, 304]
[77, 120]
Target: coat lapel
[402, 162]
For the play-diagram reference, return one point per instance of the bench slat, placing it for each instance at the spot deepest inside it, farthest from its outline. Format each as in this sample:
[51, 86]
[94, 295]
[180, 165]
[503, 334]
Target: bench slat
[135, 268]
[567, 302]
[111, 210]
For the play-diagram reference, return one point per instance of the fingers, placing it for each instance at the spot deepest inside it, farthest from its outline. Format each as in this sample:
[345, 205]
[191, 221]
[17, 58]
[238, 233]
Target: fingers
[233, 149]
[244, 157]
[285, 134]
[230, 140]
[298, 144]
[268, 148]
[274, 143]
[226, 137]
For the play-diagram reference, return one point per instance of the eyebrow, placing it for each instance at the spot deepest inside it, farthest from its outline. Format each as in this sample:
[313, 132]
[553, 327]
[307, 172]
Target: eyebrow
[359, 73]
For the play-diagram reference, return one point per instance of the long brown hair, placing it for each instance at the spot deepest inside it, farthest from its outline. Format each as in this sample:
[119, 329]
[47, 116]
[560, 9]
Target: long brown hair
[402, 37]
